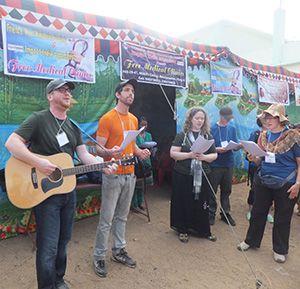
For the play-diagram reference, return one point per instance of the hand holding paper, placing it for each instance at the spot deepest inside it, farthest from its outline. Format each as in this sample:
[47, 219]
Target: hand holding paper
[130, 136]
[201, 144]
[253, 149]
[231, 145]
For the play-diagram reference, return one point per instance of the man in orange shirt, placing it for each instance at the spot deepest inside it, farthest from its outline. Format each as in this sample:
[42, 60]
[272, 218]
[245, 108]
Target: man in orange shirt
[117, 190]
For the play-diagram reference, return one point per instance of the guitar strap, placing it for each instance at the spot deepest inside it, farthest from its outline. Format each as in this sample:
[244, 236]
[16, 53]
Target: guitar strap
[96, 176]
[87, 134]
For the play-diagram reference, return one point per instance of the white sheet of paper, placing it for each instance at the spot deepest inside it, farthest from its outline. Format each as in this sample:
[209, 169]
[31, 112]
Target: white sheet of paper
[201, 144]
[148, 144]
[252, 148]
[231, 145]
[130, 136]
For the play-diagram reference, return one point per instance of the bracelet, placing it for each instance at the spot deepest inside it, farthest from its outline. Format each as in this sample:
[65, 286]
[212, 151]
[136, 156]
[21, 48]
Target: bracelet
[297, 183]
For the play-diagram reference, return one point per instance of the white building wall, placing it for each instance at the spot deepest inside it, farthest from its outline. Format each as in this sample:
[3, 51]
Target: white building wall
[248, 43]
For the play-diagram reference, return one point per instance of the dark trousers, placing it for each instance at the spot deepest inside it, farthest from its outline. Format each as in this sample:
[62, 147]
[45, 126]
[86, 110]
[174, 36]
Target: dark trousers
[222, 177]
[283, 212]
[252, 172]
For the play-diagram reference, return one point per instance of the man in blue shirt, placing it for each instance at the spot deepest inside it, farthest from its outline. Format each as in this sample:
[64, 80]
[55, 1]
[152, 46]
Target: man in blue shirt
[222, 167]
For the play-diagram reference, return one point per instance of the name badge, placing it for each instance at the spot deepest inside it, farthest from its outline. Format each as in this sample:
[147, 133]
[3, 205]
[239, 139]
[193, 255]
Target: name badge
[62, 139]
[224, 144]
[270, 158]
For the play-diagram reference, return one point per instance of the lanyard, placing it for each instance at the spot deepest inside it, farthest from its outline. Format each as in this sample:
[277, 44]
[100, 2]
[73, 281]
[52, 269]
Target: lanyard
[59, 125]
[122, 121]
[220, 134]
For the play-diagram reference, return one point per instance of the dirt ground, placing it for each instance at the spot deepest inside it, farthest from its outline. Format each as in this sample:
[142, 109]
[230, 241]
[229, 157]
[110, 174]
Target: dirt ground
[162, 260]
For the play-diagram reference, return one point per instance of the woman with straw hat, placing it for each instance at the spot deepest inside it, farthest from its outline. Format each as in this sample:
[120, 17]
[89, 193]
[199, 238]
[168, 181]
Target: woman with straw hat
[278, 180]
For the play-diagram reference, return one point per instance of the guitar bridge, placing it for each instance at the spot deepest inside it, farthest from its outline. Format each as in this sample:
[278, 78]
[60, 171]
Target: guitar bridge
[34, 178]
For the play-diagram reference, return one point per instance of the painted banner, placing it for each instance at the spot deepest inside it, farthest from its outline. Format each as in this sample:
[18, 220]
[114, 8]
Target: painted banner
[226, 79]
[152, 66]
[272, 91]
[297, 94]
[42, 53]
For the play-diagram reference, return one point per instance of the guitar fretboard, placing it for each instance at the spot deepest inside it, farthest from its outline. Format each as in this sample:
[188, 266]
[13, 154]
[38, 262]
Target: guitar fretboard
[86, 168]
[77, 170]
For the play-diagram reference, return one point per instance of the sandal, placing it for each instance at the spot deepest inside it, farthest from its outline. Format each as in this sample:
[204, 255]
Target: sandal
[212, 238]
[183, 238]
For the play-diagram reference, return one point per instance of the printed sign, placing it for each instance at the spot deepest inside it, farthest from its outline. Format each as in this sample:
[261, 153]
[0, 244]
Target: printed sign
[40, 53]
[152, 66]
[272, 91]
[297, 94]
[226, 79]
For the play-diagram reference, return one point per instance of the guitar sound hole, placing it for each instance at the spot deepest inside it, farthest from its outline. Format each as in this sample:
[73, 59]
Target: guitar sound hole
[56, 175]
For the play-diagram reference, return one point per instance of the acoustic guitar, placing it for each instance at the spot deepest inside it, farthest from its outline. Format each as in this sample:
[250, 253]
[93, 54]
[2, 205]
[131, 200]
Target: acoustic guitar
[27, 187]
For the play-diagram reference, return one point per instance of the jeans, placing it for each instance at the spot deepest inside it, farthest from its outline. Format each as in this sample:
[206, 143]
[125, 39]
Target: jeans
[117, 192]
[222, 177]
[54, 219]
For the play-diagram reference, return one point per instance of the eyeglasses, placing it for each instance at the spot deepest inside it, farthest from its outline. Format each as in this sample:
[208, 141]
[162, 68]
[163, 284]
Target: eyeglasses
[64, 90]
[269, 117]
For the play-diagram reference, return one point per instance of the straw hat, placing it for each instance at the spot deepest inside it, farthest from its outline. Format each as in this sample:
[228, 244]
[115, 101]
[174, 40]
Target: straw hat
[276, 110]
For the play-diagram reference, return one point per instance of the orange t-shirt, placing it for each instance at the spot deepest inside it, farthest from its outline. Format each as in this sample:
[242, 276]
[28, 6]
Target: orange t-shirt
[112, 126]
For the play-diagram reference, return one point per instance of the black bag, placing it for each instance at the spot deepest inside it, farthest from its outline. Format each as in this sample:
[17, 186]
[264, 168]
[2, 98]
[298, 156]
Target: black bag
[95, 177]
[141, 168]
[274, 182]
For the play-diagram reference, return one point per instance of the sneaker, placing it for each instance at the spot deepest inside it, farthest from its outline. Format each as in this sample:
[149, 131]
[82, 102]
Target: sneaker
[183, 238]
[100, 269]
[211, 220]
[279, 258]
[243, 246]
[122, 257]
[230, 219]
[270, 219]
[212, 238]
[248, 216]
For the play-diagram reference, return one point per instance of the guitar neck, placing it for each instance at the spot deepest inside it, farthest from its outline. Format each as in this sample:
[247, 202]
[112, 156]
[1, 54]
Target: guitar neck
[88, 168]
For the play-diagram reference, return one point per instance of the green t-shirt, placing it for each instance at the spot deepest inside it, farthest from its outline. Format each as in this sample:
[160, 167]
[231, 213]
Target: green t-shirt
[41, 128]
[184, 166]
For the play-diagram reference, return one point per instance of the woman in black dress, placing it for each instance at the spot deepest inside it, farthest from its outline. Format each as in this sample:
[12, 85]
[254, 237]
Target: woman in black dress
[190, 189]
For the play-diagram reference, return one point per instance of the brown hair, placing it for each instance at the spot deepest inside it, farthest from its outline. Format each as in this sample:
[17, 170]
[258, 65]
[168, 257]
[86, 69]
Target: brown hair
[205, 129]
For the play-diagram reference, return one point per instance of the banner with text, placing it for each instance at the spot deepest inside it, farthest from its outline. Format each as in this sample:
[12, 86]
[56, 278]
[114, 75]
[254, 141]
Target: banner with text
[272, 91]
[226, 79]
[297, 94]
[42, 53]
[152, 66]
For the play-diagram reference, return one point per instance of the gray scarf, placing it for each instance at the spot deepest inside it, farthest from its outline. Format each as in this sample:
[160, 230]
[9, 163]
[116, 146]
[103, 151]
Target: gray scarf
[196, 171]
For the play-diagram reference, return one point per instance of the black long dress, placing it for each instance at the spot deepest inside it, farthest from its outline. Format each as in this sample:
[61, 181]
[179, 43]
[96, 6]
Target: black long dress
[188, 214]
